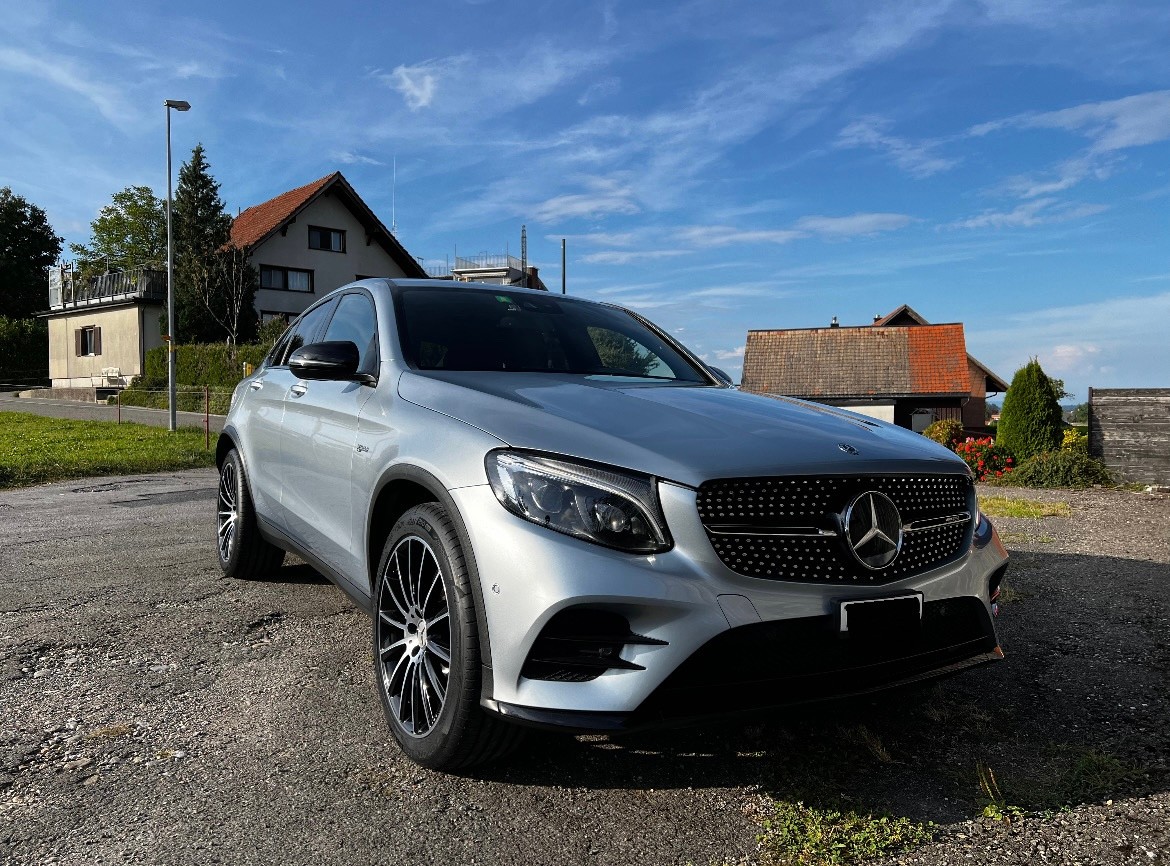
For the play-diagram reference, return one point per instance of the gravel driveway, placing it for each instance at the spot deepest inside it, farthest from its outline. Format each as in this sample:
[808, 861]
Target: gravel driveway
[152, 711]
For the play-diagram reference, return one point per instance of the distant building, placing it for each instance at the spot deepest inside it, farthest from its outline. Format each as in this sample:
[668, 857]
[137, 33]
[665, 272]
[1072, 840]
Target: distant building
[304, 243]
[900, 368]
[100, 329]
[308, 241]
[504, 270]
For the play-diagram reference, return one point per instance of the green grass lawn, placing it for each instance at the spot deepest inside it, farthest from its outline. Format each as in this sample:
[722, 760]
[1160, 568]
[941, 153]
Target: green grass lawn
[36, 450]
[1007, 506]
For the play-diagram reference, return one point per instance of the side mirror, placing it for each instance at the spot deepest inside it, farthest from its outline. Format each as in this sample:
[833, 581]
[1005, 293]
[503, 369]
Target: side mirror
[721, 375]
[334, 361]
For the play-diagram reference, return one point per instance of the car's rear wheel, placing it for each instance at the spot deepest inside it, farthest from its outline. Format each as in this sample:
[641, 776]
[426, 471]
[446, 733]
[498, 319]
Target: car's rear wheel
[243, 552]
[426, 647]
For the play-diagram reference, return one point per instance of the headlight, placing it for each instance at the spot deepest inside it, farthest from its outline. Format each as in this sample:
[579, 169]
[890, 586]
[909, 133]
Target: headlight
[598, 505]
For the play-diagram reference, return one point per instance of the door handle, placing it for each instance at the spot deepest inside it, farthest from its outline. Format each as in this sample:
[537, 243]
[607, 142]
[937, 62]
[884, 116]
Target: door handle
[298, 390]
[257, 385]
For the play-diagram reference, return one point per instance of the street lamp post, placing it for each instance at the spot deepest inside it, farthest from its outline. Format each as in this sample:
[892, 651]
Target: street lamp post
[178, 105]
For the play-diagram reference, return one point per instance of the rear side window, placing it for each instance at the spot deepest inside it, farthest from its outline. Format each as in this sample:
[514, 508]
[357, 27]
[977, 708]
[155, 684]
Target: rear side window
[304, 331]
[355, 321]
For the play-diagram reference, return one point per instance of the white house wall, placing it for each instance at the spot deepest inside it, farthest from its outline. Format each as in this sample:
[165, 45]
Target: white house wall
[330, 269]
[127, 332]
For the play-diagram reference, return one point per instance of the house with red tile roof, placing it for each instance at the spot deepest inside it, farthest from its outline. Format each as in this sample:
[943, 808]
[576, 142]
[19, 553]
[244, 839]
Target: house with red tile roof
[900, 368]
[308, 241]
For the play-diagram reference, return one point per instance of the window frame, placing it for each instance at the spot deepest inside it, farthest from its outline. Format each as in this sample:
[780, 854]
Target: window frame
[284, 272]
[88, 337]
[331, 232]
[377, 356]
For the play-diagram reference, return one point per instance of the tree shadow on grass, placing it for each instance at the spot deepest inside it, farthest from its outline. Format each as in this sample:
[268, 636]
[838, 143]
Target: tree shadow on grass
[1076, 714]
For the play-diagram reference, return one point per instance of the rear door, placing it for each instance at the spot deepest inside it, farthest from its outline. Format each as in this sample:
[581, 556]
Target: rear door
[318, 442]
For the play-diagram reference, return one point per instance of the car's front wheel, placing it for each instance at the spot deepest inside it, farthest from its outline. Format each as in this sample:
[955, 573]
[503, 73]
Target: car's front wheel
[243, 552]
[426, 647]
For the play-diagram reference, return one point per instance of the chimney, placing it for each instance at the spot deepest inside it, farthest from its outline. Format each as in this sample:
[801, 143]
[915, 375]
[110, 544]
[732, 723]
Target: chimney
[834, 323]
[532, 277]
[877, 317]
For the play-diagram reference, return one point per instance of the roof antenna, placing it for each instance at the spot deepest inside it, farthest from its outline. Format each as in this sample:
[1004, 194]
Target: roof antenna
[393, 192]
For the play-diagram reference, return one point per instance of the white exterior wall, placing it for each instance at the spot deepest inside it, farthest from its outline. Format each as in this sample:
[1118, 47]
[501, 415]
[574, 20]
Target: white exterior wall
[330, 269]
[127, 332]
[882, 413]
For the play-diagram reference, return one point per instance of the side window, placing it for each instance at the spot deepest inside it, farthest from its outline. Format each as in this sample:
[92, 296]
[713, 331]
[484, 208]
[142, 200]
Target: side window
[305, 330]
[355, 321]
[626, 355]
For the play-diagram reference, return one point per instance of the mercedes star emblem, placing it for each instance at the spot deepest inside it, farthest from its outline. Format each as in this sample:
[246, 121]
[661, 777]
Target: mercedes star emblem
[873, 530]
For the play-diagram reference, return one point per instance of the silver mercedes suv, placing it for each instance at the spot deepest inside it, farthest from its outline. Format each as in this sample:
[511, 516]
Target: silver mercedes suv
[556, 515]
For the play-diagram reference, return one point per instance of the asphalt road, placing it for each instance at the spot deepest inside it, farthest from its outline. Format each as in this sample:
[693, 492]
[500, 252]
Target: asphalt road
[152, 711]
[77, 410]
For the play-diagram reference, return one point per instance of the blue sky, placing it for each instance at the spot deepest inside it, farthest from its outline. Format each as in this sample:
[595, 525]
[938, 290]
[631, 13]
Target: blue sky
[718, 166]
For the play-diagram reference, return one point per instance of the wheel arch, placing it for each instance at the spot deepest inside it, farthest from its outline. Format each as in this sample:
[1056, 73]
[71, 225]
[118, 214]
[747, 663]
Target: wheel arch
[400, 489]
[225, 443]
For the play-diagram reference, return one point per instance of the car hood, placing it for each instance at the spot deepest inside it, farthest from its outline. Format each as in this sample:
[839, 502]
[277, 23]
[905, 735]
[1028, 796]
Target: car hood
[682, 433]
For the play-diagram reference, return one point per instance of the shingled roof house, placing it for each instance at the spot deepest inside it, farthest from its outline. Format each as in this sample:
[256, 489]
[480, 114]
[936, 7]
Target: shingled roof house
[308, 241]
[900, 368]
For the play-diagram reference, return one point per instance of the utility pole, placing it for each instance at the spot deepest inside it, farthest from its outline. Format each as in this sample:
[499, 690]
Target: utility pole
[562, 266]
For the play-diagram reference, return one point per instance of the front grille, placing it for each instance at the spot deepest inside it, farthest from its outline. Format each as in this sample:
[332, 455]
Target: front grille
[791, 528]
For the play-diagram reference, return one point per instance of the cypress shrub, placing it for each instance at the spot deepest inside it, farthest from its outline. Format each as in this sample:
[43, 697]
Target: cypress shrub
[1031, 421]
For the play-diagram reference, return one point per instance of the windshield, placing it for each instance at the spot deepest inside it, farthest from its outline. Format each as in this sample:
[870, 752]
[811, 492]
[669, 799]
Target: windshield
[451, 328]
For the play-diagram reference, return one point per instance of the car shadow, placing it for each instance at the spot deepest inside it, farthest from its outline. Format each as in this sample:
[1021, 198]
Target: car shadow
[1075, 714]
[293, 572]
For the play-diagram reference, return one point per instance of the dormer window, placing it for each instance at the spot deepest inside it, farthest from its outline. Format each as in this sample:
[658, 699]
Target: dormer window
[330, 240]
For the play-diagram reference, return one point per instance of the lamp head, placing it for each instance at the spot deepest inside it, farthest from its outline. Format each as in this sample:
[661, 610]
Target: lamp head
[178, 104]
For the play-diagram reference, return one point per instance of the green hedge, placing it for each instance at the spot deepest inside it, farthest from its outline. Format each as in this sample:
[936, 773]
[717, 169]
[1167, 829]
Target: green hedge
[1060, 469]
[204, 363]
[24, 351]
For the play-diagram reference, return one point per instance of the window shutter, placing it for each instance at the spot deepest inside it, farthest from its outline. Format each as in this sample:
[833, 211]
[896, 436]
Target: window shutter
[97, 341]
[77, 342]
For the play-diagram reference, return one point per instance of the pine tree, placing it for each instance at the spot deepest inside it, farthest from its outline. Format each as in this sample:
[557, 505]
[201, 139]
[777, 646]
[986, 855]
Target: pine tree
[200, 227]
[1031, 420]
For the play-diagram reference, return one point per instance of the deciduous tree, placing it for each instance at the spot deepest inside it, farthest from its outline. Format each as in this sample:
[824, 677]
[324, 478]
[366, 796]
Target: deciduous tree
[129, 232]
[28, 246]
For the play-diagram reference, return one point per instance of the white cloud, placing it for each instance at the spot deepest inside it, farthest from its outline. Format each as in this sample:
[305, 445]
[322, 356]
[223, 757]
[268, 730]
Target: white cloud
[1114, 343]
[1121, 123]
[348, 157]
[64, 74]
[599, 90]
[855, 224]
[417, 84]
[1030, 214]
[605, 196]
[915, 158]
[625, 257]
[730, 354]
[721, 236]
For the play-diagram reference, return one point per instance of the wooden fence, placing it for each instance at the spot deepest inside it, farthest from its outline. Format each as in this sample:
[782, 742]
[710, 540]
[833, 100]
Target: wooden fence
[1129, 428]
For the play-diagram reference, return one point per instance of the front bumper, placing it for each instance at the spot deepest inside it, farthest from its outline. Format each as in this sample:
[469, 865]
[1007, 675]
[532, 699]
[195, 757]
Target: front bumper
[722, 642]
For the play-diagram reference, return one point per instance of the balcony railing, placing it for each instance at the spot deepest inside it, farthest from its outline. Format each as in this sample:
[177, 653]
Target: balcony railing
[68, 290]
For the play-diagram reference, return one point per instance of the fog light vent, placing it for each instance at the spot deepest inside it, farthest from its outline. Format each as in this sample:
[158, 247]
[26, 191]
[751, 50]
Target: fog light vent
[579, 645]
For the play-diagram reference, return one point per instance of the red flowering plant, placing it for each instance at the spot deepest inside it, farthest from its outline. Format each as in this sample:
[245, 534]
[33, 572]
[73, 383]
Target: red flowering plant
[987, 460]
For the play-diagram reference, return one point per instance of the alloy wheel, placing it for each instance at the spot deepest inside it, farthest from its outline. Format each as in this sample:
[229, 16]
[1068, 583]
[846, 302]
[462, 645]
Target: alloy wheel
[414, 635]
[229, 510]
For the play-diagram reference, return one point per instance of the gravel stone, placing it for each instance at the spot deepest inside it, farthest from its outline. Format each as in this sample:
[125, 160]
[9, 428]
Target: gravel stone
[153, 711]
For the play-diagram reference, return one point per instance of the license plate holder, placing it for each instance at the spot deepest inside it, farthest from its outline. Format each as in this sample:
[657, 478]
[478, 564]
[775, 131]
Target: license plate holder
[873, 617]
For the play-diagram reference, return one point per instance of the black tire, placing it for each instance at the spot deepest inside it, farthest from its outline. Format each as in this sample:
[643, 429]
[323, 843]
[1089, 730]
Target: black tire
[243, 552]
[426, 647]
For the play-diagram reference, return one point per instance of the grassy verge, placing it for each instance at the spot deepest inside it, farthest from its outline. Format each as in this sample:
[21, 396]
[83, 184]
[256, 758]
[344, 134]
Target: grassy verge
[36, 450]
[1005, 506]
